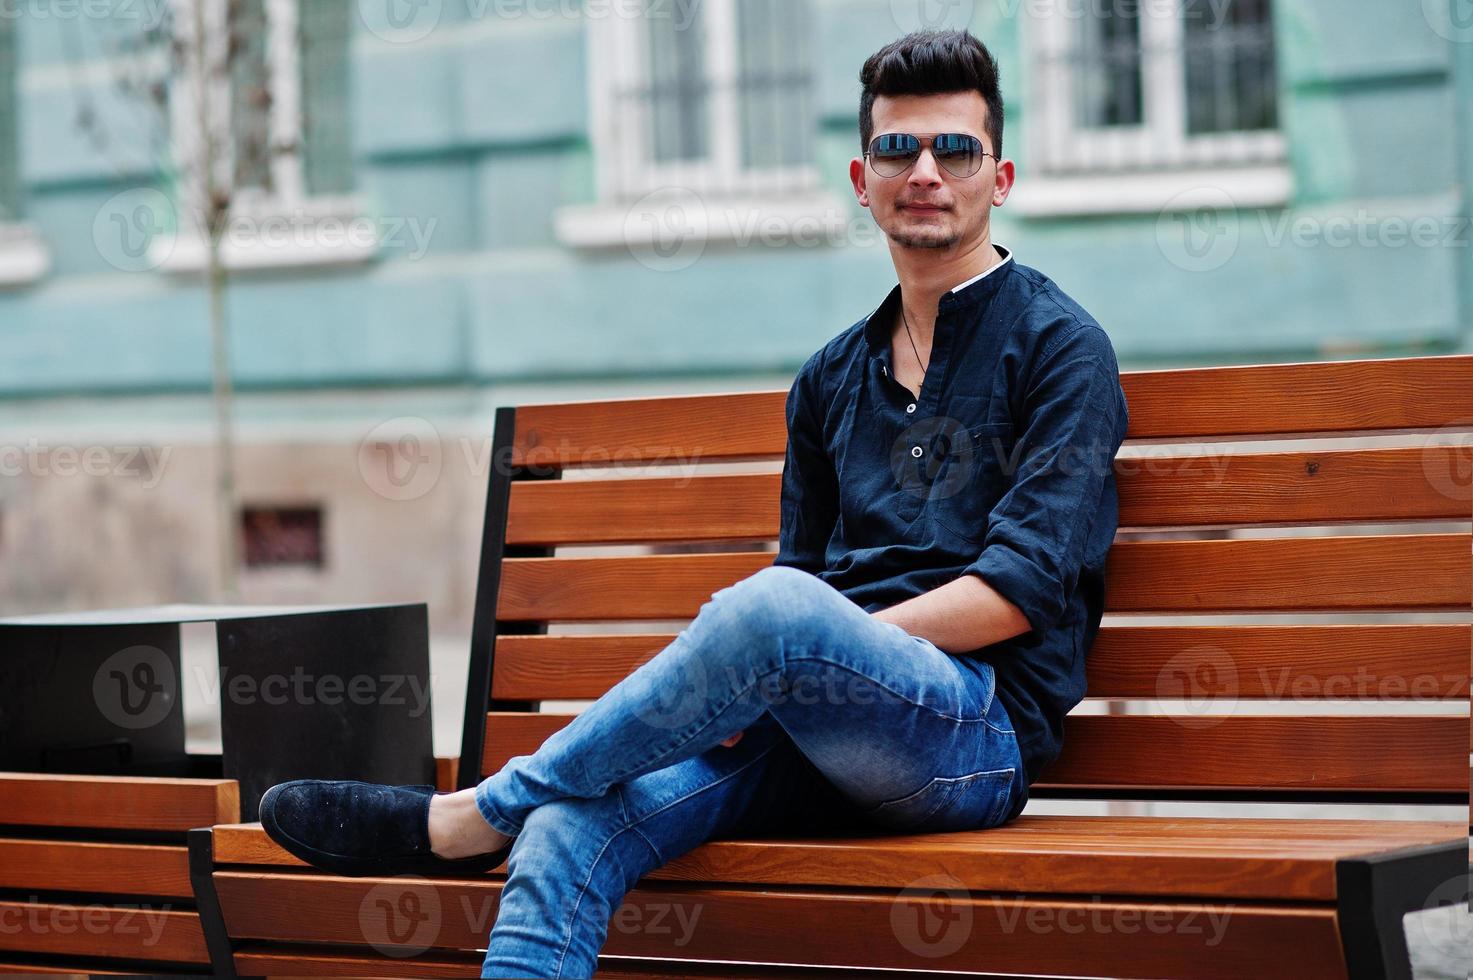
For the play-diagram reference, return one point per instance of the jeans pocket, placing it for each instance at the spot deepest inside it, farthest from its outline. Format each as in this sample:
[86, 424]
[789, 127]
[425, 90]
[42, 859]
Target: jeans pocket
[969, 802]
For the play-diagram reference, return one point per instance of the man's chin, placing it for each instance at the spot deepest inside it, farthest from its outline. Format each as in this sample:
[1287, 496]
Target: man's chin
[933, 238]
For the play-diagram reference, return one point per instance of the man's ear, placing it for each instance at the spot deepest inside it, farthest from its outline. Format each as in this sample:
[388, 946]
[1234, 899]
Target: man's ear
[858, 178]
[1003, 185]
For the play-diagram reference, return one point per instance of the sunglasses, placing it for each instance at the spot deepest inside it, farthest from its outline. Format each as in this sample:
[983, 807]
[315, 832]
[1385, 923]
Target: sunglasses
[892, 154]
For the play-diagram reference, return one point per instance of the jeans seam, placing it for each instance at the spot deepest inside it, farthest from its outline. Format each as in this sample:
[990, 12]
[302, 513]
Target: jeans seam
[904, 697]
[572, 919]
[628, 825]
[700, 789]
[785, 660]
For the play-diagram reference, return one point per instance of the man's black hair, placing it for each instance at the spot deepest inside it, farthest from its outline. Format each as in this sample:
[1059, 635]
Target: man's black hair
[931, 62]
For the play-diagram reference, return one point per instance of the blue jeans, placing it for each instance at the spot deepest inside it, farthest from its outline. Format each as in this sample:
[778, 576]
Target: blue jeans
[851, 725]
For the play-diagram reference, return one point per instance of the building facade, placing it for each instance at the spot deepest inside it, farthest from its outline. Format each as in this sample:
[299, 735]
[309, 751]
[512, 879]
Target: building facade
[469, 203]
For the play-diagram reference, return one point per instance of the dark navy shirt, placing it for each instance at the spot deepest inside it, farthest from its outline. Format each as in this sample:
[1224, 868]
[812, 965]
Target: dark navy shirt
[1000, 468]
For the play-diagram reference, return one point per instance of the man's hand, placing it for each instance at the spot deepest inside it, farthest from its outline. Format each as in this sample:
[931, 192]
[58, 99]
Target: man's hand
[729, 742]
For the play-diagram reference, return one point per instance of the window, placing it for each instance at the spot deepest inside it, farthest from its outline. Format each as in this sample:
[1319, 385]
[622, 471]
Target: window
[23, 258]
[275, 536]
[1165, 92]
[283, 130]
[714, 100]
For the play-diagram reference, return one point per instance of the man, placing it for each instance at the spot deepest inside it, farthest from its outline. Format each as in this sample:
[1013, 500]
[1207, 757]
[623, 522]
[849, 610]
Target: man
[947, 503]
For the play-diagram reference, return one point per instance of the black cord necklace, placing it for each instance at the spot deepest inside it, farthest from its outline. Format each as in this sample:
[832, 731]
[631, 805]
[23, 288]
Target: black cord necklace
[906, 320]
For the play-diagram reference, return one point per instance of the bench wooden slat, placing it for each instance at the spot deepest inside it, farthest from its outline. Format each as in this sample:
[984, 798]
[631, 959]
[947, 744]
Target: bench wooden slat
[1311, 397]
[1295, 488]
[259, 959]
[1413, 393]
[156, 933]
[1258, 858]
[116, 802]
[644, 509]
[76, 969]
[1264, 489]
[301, 960]
[1004, 933]
[1381, 572]
[1410, 752]
[1368, 572]
[87, 866]
[1413, 753]
[1354, 662]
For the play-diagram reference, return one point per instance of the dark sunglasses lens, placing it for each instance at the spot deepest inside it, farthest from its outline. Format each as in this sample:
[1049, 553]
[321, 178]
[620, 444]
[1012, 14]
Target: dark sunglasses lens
[893, 152]
[958, 153]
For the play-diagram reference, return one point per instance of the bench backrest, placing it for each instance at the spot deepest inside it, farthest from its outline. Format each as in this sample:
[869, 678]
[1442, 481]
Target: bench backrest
[1184, 471]
[98, 867]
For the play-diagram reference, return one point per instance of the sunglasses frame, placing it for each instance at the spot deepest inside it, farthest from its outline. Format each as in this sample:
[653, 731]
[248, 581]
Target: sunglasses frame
[928, 141]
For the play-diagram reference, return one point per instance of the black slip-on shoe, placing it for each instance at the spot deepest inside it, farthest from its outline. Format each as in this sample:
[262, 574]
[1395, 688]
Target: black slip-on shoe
[357, 829]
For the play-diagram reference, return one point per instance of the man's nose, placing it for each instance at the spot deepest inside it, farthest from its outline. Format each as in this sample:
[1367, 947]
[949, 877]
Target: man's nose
[925, 172]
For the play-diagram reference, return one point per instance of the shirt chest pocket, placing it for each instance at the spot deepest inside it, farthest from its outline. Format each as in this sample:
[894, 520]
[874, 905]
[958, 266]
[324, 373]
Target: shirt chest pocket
[978, 468]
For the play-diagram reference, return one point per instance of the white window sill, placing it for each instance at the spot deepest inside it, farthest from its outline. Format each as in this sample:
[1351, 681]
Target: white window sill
[272, 235]
[657, 218]
[1151, 191]
[24, 257]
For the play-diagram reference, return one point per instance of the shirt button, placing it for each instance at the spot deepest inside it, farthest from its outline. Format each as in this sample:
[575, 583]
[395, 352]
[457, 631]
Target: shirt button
[915, 451]
[910, 408]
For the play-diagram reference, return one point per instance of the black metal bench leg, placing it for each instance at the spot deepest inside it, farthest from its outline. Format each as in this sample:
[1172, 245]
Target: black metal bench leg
[1376, 891]
[207, 901]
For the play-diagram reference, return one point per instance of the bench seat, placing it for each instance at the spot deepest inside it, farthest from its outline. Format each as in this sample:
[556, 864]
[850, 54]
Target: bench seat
[1237, 858]
[1266, 888]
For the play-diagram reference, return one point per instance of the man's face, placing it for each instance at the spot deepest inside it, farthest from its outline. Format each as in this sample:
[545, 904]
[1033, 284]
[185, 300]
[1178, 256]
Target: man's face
[927, 206]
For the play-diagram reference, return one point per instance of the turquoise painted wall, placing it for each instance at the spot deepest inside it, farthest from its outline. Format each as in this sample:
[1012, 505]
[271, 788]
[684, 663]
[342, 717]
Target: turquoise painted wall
[483, 126]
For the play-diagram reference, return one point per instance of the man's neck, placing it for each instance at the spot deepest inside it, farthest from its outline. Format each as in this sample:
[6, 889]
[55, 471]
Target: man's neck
[922, 284]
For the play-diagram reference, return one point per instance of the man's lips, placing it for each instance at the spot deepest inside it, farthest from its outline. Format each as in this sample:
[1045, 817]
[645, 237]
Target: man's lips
[923, 208]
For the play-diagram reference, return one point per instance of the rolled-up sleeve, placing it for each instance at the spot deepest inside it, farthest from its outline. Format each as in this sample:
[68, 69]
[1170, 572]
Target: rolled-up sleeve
[1073, 421]
[810, 489]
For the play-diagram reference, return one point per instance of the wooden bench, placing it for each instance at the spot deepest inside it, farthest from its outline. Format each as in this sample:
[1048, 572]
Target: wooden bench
[1087, 895]
[94, 872]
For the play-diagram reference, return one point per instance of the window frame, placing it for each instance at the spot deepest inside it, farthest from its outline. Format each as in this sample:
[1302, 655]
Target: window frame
[729, 201]
[288, 197]
[1144, 167]
[618, 58]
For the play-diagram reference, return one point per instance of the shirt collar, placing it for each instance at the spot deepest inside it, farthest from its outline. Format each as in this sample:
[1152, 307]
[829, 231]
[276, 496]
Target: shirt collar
[964, 296]
[1007, 256]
